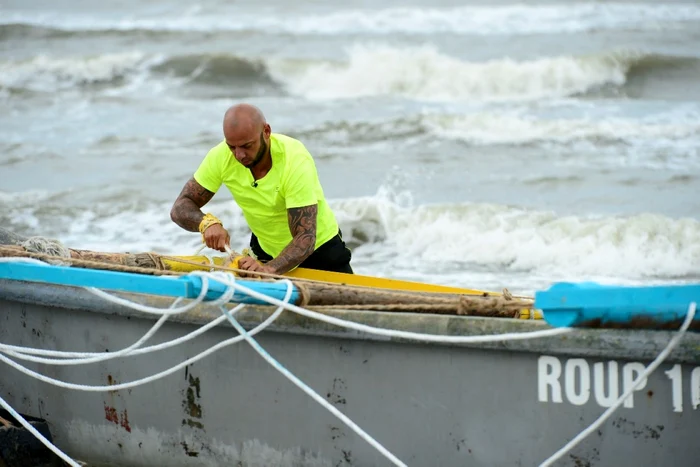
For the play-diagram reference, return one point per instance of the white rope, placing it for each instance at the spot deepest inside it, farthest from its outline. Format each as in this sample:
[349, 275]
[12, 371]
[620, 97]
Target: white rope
[132, 384]
[229, 281]
[228, 314]
[157, 311]
[336, 321]
[232, 286]
[25, 351]
[12, 259]
[83, 358]
[313, 394]
[401, 334]
[38, 435]
[17, 352]
[645, 374]
[132, 350]
[138, 306]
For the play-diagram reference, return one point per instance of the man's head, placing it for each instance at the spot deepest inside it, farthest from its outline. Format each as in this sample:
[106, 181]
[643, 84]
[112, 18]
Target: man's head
[247, 134]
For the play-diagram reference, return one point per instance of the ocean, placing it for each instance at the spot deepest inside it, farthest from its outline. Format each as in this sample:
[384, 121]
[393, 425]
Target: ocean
[487, 145]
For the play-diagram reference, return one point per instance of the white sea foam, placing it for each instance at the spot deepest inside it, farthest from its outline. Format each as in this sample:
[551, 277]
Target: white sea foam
[425, 73]
[673, 136]
[368, 70]
[45, 73]
[394, 234]
[511, 239]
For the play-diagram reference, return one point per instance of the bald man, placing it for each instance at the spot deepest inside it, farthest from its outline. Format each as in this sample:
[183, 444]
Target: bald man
[273, 179]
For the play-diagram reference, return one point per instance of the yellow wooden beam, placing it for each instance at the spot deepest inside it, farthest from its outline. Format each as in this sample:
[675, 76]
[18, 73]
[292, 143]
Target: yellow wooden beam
[380, 282]
[327, 276]
[203, 263]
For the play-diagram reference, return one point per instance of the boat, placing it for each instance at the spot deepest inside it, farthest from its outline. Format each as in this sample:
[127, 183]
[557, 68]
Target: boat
[583, 374]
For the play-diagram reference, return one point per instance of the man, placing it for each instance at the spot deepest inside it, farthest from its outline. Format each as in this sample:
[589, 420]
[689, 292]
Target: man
[273, 180]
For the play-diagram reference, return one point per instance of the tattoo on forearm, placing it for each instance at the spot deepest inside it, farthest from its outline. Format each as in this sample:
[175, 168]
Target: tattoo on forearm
[302, 224]
[186, 211]
[186, 214]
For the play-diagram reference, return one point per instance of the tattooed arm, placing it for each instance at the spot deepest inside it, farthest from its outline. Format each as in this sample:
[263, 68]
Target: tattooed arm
[302, 224]
[186, 211]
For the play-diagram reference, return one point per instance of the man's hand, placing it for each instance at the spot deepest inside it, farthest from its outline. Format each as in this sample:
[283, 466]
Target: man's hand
[248, 263]
[216, 237]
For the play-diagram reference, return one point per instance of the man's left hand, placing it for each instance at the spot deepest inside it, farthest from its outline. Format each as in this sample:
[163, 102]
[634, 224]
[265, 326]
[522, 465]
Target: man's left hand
[248, 263]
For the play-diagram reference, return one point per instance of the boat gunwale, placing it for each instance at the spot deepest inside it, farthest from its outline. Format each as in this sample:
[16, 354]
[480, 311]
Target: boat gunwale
[628, 344]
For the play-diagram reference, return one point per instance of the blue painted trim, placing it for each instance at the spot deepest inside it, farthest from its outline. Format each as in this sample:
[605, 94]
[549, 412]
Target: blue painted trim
[573, 304]
[181, 286]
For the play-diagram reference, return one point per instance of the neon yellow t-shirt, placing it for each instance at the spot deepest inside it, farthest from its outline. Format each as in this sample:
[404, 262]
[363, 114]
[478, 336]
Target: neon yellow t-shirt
[292, 182]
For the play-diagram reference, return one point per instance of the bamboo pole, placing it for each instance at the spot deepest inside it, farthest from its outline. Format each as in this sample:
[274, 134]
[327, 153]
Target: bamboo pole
[319, 293]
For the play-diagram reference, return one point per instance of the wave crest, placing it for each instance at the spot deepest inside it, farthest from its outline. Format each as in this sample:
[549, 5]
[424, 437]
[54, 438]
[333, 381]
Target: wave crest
[424, 73]
[513, 239]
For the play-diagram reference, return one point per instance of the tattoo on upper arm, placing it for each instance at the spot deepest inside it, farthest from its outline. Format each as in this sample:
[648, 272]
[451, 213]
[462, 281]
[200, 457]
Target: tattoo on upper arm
[302, 221]
[196, 192]
[302, 225]
[186, 211]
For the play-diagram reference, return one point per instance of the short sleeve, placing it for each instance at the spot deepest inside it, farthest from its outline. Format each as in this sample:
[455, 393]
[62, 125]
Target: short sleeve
[302, 181]
[209, 172]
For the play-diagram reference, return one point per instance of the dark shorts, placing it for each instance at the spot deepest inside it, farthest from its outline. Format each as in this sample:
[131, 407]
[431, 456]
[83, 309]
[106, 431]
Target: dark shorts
[331, 256]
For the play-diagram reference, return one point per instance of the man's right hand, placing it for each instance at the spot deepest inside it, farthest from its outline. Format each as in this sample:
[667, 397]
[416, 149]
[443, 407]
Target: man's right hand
[217, 238]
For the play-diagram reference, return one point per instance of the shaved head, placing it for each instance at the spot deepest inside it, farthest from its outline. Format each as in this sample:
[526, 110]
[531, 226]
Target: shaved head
[244, 115]
[247, 134]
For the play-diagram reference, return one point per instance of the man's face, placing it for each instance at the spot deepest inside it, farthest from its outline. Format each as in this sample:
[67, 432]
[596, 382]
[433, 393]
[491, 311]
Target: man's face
[249, 150]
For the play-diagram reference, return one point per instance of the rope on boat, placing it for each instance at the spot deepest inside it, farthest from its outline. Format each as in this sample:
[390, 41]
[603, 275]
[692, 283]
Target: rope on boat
[508, 302]
[641, 378]
[47, 246]
[28, 426]
[229, 280]
[505, 306]
[16, 252]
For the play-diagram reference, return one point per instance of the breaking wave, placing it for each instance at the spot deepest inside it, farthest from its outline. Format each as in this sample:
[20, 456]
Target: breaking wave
[414, 73]
[508, 238]
[388, 228]
[424, 73]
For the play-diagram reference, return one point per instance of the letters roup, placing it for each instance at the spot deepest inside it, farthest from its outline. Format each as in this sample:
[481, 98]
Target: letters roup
[576, 381]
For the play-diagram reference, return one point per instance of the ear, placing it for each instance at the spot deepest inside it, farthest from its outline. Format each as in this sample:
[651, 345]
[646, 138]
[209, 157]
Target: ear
[267, 131]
